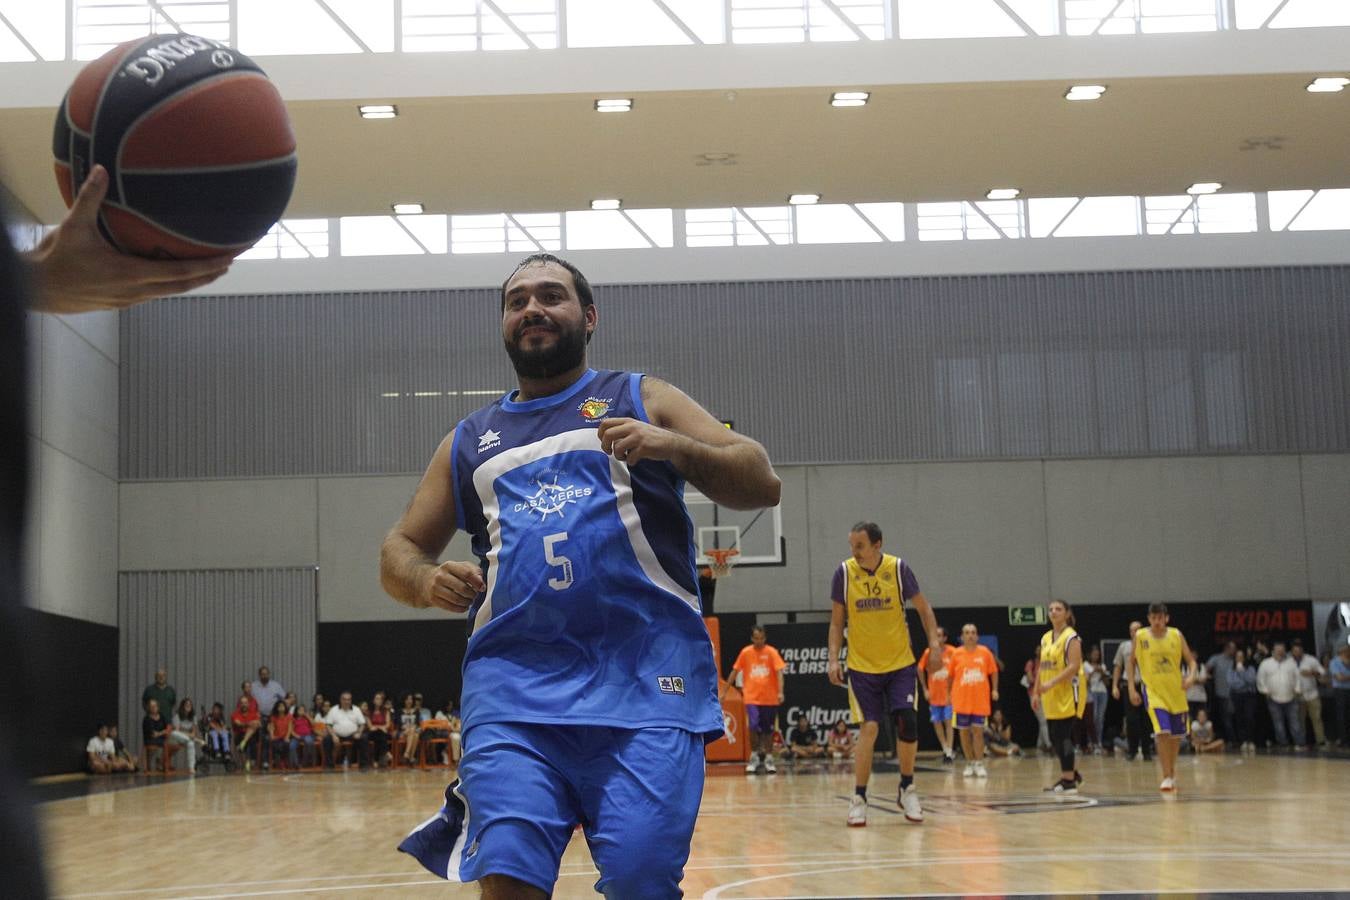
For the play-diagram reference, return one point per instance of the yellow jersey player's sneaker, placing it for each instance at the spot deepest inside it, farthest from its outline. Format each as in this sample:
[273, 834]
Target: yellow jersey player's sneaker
[857, 812]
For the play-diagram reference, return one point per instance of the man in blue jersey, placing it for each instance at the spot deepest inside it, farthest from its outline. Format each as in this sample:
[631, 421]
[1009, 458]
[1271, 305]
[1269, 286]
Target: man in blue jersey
[589, 682]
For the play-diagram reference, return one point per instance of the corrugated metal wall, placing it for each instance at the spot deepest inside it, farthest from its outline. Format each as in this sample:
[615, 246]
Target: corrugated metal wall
[212, 629]
[867, 370]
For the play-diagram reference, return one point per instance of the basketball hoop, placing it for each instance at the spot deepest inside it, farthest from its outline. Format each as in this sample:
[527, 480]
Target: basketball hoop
[721, 561]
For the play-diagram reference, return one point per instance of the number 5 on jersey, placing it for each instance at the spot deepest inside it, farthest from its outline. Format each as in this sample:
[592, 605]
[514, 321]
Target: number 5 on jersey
[557, 559]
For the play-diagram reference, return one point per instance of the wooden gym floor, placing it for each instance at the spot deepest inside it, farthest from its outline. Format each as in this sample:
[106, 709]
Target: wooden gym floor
[1258, 825]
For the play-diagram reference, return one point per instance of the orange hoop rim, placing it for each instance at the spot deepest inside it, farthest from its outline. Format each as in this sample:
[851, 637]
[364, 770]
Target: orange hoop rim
[722, 560]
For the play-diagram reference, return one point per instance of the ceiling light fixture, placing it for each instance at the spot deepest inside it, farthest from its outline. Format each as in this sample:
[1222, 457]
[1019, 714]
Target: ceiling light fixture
[378, 111]
[1003, 193]
[1204, 187]
[407, 209]
[849, 98]
[606, 204]
[615, 104]
[1328, 84]
[1085, 92]
[803, 199]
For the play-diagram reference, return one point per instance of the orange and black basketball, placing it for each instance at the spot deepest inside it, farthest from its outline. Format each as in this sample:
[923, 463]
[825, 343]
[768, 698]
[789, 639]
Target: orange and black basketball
[196, 140]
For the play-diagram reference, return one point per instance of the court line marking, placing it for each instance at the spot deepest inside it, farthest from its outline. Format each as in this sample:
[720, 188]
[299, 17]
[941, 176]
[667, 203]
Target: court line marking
[885, 863]
[715, 893]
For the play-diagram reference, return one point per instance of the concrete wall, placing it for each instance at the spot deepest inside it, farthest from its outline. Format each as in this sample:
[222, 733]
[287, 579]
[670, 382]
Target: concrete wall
[72, 535]
[977, 534]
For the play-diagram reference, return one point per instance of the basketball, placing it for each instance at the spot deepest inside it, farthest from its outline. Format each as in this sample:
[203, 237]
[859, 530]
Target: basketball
[196, 140]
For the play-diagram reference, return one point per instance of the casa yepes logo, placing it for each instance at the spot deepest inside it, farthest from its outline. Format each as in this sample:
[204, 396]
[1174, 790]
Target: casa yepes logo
[552, 497]
[593, 409]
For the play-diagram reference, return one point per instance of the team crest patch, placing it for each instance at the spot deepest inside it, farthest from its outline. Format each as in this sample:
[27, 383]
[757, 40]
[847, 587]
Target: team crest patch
[670, 684]
[594, 409]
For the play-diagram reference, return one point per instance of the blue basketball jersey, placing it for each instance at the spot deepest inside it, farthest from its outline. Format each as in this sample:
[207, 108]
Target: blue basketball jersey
[591, 614]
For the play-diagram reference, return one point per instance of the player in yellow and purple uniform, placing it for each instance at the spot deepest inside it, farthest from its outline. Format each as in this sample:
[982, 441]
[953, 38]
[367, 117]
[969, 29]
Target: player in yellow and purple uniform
[869, 594]
[1158, 654]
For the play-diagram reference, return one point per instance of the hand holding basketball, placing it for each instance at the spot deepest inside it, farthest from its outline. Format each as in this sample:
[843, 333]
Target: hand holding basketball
[631, 441]
[78, 271]
[454, 585]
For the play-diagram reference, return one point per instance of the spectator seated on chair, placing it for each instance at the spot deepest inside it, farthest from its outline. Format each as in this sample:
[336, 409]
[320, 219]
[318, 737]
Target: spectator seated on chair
[185, 732]
[244, 722]
[280, 735]
[803, 741]
[348, 727]
[380, 728]
[456, 727]
[302, 727]
[409, 729]
[323, 735]
[998, 736]
[102, 755]
[120, 750]
[155, 732]
[217, 733]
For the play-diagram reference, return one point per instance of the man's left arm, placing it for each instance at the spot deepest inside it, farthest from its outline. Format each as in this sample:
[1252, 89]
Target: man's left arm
[1189, 678]
[925, 611]
[728, 468]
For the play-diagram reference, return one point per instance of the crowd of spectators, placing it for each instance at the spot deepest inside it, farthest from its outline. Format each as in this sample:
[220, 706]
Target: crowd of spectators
[1273, 695]
[268, 728]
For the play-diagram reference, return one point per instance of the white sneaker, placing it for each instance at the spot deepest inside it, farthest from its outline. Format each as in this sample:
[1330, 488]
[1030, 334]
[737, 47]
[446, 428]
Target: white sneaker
[1167, 786]
[857, 812]
[909, 802]
[968, 771]
[981, 771]
[753, 765]
[769, 764]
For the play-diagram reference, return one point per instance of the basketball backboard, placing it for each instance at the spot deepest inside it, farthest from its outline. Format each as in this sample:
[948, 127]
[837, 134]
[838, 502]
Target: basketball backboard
[757, 534]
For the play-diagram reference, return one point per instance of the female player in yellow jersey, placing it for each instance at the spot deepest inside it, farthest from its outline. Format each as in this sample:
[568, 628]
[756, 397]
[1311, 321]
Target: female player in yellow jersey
[1057, 690]
[870, 592]
[1158, 654]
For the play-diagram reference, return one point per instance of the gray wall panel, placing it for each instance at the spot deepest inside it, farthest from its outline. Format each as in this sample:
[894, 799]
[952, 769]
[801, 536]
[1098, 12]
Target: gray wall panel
[1176, 529]
[867, 370]
[1326, 511]
[76, 553]
[973, 532]
[354, 515]
[219, 524]
[211, 630]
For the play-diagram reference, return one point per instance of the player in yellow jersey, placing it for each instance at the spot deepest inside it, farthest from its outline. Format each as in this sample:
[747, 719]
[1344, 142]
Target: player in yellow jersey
[1158, 654]
[1057, 688]
[869, 594]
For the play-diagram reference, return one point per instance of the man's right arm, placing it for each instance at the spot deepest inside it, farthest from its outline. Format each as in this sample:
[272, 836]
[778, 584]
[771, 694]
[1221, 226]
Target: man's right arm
[408, 568]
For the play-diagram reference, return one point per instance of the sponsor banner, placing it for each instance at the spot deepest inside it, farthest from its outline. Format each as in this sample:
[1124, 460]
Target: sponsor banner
[806, 686]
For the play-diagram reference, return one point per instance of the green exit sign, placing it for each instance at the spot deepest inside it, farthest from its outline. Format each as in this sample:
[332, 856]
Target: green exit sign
[1026, 615]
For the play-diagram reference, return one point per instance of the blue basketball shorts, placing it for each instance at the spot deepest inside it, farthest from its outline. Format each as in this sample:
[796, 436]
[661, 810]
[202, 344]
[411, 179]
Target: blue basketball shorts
[523, 788]
[969, 720]
[940, 713]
